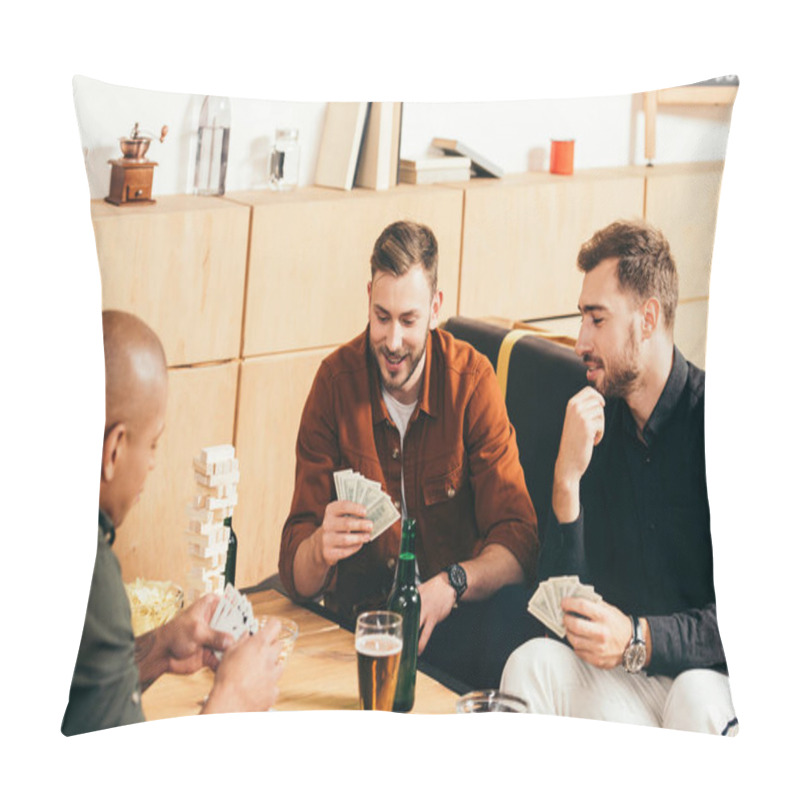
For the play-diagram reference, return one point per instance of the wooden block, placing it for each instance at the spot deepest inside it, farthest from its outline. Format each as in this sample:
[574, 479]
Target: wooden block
[212, 503]
[216, 467]
[223, 491]
[216, 454]
[224, 479]
[215, 538]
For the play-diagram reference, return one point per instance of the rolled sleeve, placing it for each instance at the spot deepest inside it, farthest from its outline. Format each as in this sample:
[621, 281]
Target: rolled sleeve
[563, 551]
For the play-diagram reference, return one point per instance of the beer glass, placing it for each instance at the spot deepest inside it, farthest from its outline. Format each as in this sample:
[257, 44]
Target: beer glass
[286, 635]
[379, 642]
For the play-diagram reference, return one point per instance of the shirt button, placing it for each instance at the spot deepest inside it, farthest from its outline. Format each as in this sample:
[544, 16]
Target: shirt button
[451, 492]
[397, 504]
[135, 698]
[395, 454]
[390, 563]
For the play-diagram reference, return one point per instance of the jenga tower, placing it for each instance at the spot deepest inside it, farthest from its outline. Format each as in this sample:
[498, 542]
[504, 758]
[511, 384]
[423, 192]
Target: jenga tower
[216, 472]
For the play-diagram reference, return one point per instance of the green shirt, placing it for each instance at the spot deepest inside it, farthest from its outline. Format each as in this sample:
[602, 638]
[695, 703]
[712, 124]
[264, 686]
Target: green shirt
[105, 688]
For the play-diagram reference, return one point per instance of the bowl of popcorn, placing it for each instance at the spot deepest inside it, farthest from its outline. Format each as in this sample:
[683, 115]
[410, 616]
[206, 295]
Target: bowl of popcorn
[153, 603]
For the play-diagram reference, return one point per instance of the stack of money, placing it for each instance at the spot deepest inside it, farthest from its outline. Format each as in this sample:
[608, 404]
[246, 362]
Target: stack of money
[216, 473]
[545, 604]
[381, 511]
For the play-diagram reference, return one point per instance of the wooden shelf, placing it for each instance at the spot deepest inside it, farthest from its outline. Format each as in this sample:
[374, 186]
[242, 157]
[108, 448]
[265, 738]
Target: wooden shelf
[680, 96]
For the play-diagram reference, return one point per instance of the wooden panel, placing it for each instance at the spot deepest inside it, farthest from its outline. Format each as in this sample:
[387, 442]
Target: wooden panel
[691, 324]
[521, 238]
[200, 412]
[682, 201]
[180, 266]
[272, 394]
[309, 259]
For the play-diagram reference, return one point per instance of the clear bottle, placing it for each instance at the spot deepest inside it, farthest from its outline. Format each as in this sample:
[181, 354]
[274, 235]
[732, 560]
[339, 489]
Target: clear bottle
[213, 133]
[405, 600]
[230, 561]
[284, 163]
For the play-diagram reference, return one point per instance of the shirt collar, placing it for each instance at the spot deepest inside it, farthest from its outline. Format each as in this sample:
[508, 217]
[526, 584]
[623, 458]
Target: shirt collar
[427, 392]
[106, 527]
[671, 393]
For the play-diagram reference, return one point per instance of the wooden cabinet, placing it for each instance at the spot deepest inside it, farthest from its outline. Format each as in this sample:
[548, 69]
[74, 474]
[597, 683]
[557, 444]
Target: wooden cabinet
[691, 323]
[180, 266]
[200, 411]
[310, 259]
[522, 235]
[682, 200]
[272, 394]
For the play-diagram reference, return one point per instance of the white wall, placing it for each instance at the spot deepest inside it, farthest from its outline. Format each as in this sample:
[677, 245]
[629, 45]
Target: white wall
[608, 131]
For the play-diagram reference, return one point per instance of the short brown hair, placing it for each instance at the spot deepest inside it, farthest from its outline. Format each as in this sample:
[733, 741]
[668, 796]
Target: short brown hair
[645, 266]
[404, 244]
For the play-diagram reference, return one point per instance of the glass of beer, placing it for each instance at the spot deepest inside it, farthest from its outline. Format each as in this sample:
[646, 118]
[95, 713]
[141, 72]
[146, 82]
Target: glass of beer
[379, 642]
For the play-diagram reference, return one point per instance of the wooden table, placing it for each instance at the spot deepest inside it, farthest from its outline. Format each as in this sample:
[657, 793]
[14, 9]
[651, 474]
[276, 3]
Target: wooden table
[320, 673]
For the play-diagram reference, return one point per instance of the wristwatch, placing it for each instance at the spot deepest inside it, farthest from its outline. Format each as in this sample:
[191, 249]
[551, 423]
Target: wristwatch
[458, 579]
[635, 653]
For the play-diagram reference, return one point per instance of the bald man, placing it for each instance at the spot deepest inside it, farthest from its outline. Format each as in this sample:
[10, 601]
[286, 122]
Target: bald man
[113, 668]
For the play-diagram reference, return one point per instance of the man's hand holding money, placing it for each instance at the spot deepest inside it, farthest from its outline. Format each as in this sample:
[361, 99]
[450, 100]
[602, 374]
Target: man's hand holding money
[344, 531]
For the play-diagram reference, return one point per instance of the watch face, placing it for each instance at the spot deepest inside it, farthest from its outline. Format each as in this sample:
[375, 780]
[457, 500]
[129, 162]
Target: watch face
[634, 656]
[458, 578]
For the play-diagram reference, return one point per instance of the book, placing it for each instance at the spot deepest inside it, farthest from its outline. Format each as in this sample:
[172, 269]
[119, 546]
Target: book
[435, 162]
[378, 161]
[408, 175]
[480, 165]
[342, 135]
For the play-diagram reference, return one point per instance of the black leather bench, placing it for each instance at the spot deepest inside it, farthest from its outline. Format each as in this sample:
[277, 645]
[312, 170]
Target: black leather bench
[541, 378]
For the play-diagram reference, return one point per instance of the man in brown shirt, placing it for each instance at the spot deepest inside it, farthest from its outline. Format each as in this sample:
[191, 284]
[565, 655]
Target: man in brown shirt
[409, 406]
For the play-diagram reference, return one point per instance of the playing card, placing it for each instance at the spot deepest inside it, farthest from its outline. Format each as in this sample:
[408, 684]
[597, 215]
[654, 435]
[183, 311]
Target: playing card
[233, 615]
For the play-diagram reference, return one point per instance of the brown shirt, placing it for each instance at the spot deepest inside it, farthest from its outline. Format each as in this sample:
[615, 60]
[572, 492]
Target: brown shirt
[463, 481]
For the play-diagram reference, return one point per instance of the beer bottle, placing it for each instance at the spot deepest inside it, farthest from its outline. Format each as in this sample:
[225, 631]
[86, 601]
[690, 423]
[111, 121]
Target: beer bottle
[230, 561]
[405, 600]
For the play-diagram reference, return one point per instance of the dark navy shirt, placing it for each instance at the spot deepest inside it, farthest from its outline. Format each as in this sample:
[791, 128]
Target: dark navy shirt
[643, 536]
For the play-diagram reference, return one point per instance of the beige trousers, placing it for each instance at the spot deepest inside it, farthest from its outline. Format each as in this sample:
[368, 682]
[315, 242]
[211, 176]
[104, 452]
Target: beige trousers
[554, 680]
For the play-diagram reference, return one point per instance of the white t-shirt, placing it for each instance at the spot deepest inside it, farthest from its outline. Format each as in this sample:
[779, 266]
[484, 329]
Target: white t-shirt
[401, 415]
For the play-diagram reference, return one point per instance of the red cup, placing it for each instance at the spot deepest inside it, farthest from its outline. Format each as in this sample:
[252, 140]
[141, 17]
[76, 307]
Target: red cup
[562, 155]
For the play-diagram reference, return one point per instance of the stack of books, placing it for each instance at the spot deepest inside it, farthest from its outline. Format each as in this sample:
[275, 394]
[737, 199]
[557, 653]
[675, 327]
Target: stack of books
[434, 169]
[360, 146]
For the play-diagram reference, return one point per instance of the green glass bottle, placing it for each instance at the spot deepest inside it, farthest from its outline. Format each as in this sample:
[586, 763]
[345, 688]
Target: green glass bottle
[405, 600]
[230, 561]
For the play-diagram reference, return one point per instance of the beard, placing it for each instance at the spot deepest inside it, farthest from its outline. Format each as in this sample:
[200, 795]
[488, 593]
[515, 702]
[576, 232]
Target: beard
[411, 361]
[620, 375]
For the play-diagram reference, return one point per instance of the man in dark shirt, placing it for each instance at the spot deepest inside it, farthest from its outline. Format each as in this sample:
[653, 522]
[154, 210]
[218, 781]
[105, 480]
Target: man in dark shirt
[630, 512]
[112, 667]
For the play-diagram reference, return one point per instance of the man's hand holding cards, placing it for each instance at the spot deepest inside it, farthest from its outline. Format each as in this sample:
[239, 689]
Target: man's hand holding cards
[381, 511]
[233, 615]
[545, 604]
